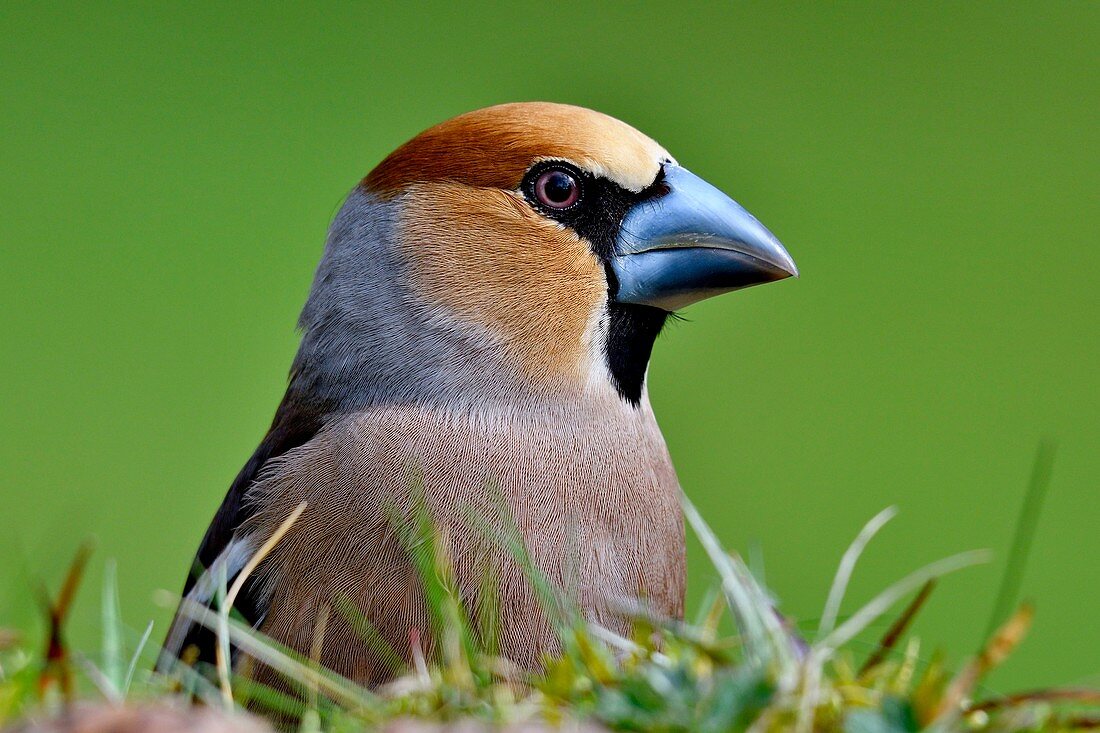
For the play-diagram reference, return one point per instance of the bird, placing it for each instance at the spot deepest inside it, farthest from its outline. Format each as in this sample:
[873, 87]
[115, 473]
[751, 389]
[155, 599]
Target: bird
[474, 348]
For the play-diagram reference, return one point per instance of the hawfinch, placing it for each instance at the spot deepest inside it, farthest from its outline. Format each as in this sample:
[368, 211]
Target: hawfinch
[474, 347]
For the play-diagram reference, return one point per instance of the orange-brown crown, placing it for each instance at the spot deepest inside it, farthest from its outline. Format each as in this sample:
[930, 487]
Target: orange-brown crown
[493, 147]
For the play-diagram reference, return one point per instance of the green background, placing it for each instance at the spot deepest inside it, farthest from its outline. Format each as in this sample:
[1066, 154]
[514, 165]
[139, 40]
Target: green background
[169, 173]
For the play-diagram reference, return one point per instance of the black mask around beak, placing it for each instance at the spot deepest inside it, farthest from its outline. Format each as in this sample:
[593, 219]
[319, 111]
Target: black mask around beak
[691, 243]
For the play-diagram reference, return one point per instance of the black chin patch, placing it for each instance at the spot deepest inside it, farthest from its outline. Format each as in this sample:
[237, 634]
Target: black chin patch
[630, 335]
[597, 218]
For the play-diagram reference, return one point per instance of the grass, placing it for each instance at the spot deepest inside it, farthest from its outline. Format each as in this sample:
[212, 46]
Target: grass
[668, 675]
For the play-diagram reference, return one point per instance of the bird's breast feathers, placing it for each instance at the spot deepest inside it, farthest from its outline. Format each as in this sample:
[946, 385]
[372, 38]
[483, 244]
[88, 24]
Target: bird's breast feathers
[593, 495]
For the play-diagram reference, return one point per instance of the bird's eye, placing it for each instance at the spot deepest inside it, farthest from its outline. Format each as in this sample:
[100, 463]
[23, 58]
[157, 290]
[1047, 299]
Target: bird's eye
[557, 188]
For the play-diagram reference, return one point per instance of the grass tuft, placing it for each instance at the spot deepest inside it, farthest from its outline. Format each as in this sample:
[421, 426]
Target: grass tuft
[665, 675]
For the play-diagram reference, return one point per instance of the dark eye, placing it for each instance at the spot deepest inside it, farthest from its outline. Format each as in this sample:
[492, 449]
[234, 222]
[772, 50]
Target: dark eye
[557, 188]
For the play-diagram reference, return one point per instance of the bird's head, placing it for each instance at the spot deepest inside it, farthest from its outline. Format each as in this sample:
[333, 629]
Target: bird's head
[528, 246]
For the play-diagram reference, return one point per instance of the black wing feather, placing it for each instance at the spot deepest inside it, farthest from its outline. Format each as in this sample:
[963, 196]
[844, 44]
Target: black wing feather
[296, 422]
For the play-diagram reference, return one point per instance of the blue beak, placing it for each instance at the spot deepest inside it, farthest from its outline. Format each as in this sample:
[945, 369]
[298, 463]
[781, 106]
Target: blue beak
[691, 243]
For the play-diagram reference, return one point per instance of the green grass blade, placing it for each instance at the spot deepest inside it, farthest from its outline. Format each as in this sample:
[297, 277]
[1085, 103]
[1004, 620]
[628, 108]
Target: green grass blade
[222, 639]
[847, 566]
[881, 603]
[112, 631]
[738, 596]
[370, 635]
[282, 659]
[1026, 524]
[132, 668]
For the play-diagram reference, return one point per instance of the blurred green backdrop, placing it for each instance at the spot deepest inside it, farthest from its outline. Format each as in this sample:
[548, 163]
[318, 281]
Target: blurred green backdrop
[169, 173]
